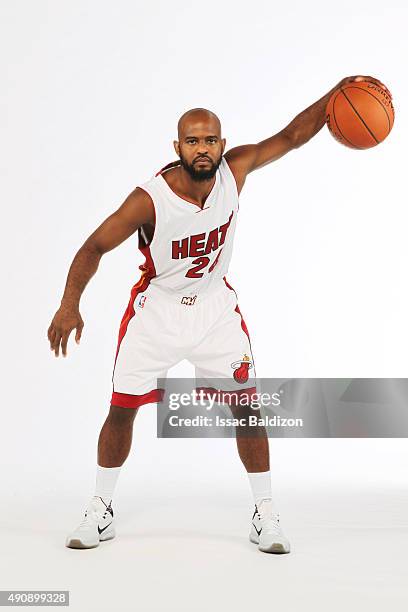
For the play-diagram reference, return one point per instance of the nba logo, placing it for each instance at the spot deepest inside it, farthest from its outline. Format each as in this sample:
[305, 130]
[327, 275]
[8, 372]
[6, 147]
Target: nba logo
[141, 301]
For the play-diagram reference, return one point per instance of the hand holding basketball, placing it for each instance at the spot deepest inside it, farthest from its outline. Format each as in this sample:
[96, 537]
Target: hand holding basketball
[368, 79]
[360, 113]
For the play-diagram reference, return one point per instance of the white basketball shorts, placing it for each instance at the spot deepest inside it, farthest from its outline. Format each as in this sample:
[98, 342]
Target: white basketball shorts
[159, 329]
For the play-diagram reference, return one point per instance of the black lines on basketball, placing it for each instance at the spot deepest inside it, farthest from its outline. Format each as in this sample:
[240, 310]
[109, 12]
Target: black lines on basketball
[354, 118]
[337, 125]
[378, 101]
[359, 116]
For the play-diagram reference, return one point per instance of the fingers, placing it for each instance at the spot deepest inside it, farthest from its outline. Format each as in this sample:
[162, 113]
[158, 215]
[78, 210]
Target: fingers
[54, 336]
[51, 335]
[385, 89]
[60, 330]
[59, 339]
[56, 343]
[64, 343]
[50, 330]
[52, 339]
[78, 334]
[375, 81]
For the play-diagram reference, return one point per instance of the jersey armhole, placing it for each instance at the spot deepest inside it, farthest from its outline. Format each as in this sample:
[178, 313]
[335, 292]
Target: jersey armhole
[232, 178]
[168, 166]
[141, 232]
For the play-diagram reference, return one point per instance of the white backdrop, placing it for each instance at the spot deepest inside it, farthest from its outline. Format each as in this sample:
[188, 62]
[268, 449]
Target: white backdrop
[91, 95]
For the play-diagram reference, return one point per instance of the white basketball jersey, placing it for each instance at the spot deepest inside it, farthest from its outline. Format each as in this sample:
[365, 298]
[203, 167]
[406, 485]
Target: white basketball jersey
[191, 247]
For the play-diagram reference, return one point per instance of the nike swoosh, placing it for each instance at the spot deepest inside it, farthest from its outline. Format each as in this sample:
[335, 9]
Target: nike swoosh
[258, 532]
[101, 530]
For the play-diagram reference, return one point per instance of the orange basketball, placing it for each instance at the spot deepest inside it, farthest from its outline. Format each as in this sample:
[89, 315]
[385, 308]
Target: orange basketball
[360, 115]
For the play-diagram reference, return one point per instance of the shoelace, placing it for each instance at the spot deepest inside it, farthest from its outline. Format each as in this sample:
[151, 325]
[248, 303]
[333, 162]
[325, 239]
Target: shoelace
[87, 520]
[271, 524]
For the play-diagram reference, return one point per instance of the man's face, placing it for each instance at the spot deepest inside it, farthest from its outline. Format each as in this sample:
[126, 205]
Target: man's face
[200, 149]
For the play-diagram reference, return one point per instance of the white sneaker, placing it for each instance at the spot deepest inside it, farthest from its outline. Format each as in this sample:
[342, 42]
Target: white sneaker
[96, 526]
[266, 531]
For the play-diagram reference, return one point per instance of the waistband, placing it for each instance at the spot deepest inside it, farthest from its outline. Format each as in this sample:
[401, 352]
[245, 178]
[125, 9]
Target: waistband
[186, 298]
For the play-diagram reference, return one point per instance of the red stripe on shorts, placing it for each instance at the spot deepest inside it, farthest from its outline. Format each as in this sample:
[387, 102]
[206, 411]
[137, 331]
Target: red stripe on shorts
[124, 400]
[148, 272]
[243, 324]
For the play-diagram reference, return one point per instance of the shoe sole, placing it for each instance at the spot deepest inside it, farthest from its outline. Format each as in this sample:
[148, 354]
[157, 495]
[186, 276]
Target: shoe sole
[79, 544]
[76, 543]
[277, 548]
[274, 548]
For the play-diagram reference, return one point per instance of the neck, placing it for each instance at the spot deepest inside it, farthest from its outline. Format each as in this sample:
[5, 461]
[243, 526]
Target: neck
[195, 191]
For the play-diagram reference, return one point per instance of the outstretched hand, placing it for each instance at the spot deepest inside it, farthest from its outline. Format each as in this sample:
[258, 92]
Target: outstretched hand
[352, 79]
[65, 320]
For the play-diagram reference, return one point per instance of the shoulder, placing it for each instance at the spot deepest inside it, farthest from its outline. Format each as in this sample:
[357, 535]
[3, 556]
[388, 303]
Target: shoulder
[229, 168]
[240, 160]
[142, 199]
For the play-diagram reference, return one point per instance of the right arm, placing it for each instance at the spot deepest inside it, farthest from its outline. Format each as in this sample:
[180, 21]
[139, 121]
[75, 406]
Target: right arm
[135, 211]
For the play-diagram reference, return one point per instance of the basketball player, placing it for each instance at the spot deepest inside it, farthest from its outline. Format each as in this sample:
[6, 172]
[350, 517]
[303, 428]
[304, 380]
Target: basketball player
[182, 306]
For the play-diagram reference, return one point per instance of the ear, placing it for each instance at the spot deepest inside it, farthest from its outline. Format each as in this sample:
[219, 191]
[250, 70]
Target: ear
[223, 144]
[176, 147]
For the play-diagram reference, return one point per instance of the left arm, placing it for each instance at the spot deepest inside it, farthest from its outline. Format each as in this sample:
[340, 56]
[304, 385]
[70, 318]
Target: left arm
[246, 158]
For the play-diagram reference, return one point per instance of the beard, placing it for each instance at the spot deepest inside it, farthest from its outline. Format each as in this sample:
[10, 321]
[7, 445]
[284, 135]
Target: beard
[200, 174]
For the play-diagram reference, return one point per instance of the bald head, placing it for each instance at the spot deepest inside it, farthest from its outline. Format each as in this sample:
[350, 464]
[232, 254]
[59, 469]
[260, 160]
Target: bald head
[198, 117]
[199, 146]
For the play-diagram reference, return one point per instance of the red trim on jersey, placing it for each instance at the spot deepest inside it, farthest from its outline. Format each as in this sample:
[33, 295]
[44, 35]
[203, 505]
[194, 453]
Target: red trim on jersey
[147, 267]
[243, 324]
[168, 166]
[235, 181]
[210, 391]
[124, 400]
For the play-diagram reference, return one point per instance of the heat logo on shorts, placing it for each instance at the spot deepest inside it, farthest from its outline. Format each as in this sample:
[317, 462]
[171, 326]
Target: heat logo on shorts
[141, 301]
[241, 369]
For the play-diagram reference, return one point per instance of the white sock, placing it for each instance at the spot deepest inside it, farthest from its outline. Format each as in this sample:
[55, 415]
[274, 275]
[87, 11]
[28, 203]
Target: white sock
[261, 486]
[106, 478]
